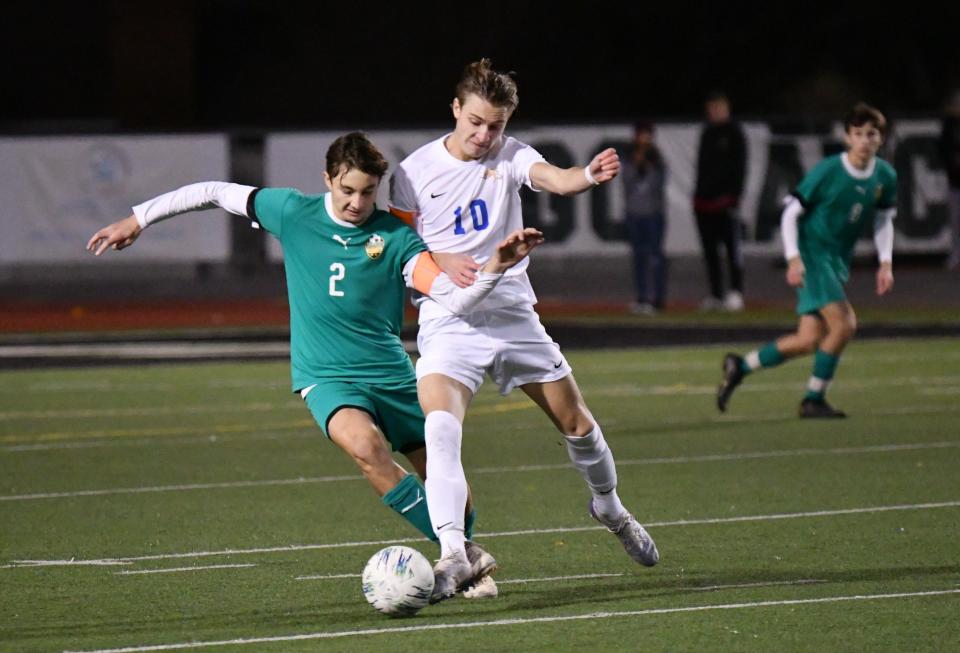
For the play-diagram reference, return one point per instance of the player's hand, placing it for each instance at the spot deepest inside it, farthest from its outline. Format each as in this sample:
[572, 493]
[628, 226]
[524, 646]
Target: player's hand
[795, 272]
[884, 278]
[117, 236]
[461, 268]
[605, 166]
[513, 249]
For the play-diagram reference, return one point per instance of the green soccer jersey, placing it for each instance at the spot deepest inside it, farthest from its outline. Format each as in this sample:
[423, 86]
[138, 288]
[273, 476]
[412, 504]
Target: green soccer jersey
[840, 202]
[345, 286]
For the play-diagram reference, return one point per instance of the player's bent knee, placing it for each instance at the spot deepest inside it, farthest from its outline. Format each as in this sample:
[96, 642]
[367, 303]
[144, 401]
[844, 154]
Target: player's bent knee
[809, 345]
[370, 456]
[366, 446]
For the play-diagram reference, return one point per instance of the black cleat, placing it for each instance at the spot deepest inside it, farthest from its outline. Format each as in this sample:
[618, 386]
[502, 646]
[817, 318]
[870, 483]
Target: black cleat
[732, 376]
[819, 409]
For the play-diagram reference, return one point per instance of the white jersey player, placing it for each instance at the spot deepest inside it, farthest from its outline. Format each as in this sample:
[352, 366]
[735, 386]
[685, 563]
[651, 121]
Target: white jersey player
[461, 192]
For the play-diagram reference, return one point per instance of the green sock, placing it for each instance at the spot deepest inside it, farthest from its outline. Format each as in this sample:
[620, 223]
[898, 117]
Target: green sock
[409, 499]
[766, 356]
[468, 524]
[824, 366]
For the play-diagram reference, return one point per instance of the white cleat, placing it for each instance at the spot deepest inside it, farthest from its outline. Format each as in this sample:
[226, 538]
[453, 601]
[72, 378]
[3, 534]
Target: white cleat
[634, 537]
[485, 588]
[450, 574]
[481, 562]
[481, 584]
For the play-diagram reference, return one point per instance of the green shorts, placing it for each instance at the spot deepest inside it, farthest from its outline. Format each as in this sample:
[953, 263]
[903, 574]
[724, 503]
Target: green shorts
[823, 282]
[396, 410]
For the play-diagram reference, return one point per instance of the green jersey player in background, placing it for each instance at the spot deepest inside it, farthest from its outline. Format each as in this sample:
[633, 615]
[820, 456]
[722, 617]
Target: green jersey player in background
[833, 205]
[347, 266]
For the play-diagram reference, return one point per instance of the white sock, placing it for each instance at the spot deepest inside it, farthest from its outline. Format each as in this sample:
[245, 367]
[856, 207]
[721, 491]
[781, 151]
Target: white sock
[591, 455]
[446, 483]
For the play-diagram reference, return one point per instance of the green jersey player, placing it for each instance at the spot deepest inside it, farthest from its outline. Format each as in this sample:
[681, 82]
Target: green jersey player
[832, 206]
[347, 266]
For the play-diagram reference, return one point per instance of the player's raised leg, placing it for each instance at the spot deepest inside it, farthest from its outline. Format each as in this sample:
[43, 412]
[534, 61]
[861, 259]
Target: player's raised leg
[562, 402]
[810, 331]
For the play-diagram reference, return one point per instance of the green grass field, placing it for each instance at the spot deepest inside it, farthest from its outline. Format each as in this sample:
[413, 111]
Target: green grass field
[775, 533]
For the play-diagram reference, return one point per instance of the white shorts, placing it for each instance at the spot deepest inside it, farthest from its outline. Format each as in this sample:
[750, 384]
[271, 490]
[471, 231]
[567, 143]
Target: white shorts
[507, 343]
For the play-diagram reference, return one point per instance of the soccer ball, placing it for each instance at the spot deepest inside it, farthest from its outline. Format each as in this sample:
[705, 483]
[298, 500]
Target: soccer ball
[397, 581]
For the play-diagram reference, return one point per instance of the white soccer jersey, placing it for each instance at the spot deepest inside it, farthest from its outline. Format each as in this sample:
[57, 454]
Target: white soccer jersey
[467, 207]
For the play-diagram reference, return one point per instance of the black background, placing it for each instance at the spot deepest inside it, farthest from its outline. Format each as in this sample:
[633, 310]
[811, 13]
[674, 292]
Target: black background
[218, 64]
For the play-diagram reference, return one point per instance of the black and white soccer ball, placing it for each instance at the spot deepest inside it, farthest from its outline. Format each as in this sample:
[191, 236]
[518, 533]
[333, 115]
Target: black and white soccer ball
[397, 581]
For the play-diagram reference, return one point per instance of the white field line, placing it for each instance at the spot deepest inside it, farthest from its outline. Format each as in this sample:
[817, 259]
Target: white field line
[941, 390]
[253, 436]
[148, 411]
[328, 577]
[538, 531]
[550, 579]
[178, 488]
[106, 562]
[749, 455]
[199, 431]
[520, 621]
[711, 588]
[176, 569]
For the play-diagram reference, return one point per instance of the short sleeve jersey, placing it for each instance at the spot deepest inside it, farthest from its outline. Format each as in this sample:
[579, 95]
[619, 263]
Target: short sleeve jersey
[345, 287]
[840, 202]
[468, 206]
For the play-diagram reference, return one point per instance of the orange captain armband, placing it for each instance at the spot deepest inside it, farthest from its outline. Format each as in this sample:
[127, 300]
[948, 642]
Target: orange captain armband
[405, 216]
[425, 271]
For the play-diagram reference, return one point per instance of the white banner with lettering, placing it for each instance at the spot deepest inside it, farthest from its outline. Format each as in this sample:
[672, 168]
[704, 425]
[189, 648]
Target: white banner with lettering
[591, 223]
[57, 191]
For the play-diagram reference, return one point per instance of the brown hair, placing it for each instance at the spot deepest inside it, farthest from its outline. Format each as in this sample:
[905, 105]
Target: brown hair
[479, 78]
[861, 114]
[355, 151]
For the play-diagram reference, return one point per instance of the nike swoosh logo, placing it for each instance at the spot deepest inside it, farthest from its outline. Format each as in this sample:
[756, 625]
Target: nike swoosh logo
[556, 366]
[433, 197]
[410, 507]
[437, 528]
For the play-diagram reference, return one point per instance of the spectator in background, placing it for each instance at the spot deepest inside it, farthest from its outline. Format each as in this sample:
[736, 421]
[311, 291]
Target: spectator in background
[721, 168]
[644, 179]
[950, 155]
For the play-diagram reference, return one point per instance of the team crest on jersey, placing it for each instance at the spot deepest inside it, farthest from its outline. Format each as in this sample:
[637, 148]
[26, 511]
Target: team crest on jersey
[491, 173]
[374, 246]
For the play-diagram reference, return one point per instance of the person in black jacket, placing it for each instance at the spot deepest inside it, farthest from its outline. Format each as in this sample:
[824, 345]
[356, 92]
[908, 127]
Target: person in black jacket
[721, 169]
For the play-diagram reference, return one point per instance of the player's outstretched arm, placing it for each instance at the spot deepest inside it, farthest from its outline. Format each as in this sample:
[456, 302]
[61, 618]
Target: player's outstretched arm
[570, 181]
[424, 275]
[204, 195]
[118, 235]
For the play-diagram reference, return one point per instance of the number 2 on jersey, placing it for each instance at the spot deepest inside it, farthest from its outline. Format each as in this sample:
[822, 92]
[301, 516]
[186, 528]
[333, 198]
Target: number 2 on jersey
[339, 272]
[478, 213]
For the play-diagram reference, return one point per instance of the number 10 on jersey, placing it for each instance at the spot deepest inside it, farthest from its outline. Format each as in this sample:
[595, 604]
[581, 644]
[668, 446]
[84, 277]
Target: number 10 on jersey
[478, 213]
